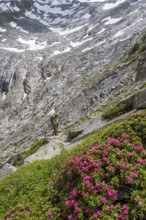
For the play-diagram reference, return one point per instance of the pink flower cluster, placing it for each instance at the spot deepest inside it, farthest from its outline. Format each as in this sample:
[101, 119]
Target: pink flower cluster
[125, 135]
[50, 214]
[112, 194]
[123, 167]
[13, 215]
[89, 170]
[103, 200]
[74, 193]
[131, 177]
[124, 213]
[131, 154]
[112, 141]
[139, 148]
[97, 214]
[109, 208]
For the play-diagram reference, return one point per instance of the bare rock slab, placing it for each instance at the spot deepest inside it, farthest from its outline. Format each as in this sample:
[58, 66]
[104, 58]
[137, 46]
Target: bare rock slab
[140, 100]
[6, 170]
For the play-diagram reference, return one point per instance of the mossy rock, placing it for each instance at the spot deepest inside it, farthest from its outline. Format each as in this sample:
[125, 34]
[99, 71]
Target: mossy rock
[114, 110]
[141, 69]
[74, 134]
[140, 99]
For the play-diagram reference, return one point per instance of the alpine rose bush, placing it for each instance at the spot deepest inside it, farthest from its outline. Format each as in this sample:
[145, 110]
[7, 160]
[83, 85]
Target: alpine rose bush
[105, 183]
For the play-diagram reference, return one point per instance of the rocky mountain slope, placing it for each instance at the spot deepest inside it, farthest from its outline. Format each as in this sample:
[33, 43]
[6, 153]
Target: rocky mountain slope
[74, 56]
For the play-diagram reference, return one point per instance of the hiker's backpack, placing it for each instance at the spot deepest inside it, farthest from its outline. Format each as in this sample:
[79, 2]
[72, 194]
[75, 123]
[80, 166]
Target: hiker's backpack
[52, 118]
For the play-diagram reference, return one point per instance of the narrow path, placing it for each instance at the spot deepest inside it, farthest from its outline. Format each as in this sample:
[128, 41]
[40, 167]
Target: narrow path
[57, 143]
[52, 148]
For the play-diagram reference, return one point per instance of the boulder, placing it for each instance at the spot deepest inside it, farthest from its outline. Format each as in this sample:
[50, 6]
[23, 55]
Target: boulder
[140, 100]
[141, 69]
[6, 170]
[92, 125]
[128, 102]
[75, 132]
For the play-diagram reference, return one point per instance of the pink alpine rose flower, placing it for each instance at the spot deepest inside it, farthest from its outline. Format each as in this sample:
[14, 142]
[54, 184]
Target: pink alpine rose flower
[50, 214]
[97, 214]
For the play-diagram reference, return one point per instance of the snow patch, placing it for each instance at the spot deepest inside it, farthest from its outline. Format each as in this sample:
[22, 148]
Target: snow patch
[86, 16]
[90, 48]
[119, 33]
[14, 25]
[59, 2]
[76, 44]
[133, 3]
[102, 30]
[32, 44]
[3, 40]
[54, 10]
[48, 78]
[2, 30]
[59, 52]
[92, 0]
[31, 15]
[92, 26]
[13, 49]
[51, 112]
[4, 96]
[40, 58]
[24, 97]
[15, 8]
[133, 12]
[7, 7]
[108, 6]
[140, 18]
[110, 20]
[67, 31]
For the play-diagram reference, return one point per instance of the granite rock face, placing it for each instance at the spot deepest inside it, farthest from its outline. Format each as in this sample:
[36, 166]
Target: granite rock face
[72, 56]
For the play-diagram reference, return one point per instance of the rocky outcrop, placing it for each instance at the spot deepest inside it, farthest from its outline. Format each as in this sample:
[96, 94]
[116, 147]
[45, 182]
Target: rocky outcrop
[140, 100]
[141, 68]
[128, 103]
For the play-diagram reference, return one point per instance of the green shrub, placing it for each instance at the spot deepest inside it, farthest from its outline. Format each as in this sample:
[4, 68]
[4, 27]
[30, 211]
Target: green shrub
[114, 110]
[73, 134]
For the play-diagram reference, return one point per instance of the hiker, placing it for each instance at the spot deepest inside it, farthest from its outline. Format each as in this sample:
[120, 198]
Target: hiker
[54, 120]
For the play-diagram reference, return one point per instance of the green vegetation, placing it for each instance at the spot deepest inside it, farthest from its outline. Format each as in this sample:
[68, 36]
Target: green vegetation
[143, 86]
[102, 178]
[114, 110]
[74, 134]
[106, 73]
